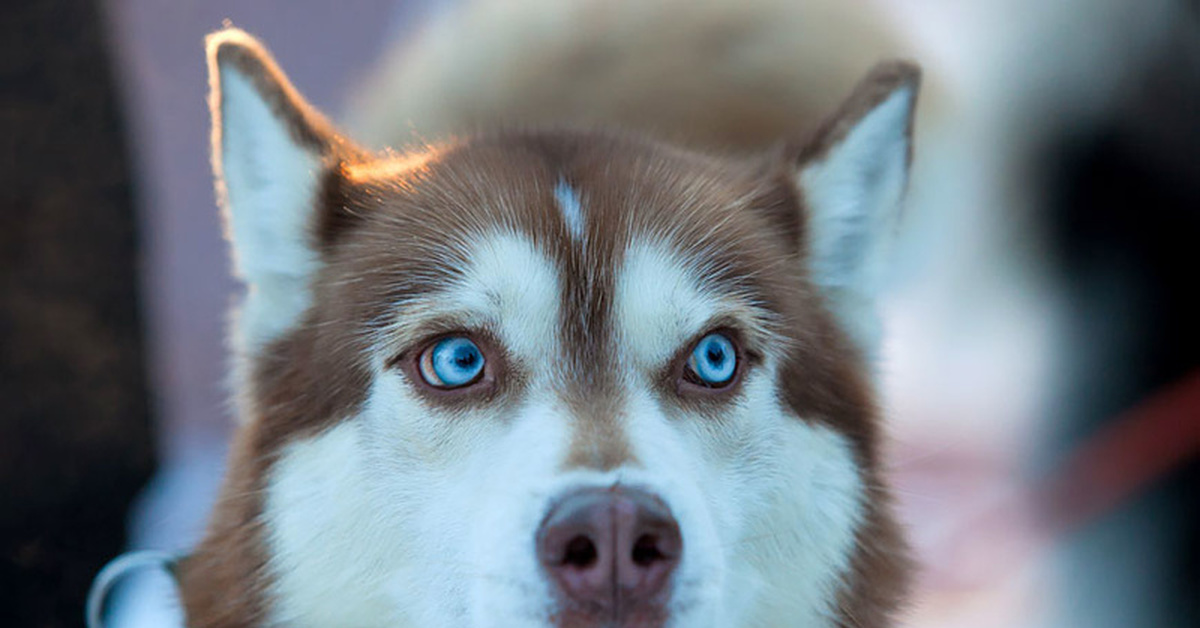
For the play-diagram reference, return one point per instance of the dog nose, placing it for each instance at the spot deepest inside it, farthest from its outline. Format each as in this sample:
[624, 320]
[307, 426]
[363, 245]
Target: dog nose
[610, 551]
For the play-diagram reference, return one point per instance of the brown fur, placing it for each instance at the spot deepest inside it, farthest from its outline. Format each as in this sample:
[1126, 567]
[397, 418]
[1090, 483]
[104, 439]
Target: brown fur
[389, 225]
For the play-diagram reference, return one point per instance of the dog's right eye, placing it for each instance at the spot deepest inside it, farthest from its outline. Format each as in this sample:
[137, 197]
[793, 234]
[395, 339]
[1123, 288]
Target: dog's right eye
[451, 362]
[713, 362]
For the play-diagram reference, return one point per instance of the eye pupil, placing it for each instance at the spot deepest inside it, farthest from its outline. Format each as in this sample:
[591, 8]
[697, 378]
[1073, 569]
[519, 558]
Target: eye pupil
[465, 359]
[713, 362]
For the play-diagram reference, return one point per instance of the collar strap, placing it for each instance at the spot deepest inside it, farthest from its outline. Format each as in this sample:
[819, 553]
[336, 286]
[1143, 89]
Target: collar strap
[117, 569]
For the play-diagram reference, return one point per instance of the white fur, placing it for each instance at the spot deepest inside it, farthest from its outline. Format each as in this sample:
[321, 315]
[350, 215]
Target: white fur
[437, 488]
[510, 288]
[662, 303]
[412, 515]
[328, 539]
[570, 207]
[855, 193]
[659, 304]
[268, 183]
[771, 501]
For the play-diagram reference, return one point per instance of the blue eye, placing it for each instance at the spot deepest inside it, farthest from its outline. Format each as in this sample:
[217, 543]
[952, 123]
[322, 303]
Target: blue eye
[714, 361]
[451, 363]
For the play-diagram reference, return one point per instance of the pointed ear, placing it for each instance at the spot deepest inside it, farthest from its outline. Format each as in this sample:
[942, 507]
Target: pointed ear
[270, 153]
[852, 175]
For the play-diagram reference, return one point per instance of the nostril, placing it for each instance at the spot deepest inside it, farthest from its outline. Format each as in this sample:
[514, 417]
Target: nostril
[646, 551]
[610, 553]
[580, 552]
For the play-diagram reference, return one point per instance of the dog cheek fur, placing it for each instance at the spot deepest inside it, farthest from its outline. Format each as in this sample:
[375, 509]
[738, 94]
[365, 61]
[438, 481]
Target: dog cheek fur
[458, 496]
[458, 499]
[785, 497]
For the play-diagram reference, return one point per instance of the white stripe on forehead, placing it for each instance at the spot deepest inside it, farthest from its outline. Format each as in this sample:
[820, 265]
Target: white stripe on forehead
[569, 205]
[507, 286]
[659, 303]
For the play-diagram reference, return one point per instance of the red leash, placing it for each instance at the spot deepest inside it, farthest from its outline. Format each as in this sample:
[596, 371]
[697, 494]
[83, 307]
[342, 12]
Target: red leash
[1127, 455]
[1132, 452]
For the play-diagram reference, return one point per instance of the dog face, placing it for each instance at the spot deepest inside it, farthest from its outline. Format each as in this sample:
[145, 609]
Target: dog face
[556, 378]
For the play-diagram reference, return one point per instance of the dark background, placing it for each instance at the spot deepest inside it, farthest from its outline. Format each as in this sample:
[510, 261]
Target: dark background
[75, 436]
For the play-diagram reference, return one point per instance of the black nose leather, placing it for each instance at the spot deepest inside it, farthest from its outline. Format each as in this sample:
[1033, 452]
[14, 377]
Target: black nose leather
[610, 552]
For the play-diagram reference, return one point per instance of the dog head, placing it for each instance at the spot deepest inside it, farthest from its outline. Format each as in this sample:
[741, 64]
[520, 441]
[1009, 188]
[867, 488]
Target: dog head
[550, 378]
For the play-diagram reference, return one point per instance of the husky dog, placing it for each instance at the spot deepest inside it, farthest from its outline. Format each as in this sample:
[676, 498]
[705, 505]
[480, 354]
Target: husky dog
[554, 377]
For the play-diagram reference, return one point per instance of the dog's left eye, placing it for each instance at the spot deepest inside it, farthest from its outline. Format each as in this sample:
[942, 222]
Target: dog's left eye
[452, 362]
[713, 362]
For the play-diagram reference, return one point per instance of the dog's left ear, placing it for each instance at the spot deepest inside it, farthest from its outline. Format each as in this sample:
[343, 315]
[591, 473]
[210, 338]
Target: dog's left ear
[271, 153]
[852, 175]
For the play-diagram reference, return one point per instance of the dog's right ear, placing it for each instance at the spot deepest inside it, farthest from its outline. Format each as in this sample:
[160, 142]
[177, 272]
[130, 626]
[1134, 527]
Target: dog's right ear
[853, 174]
[271, 151]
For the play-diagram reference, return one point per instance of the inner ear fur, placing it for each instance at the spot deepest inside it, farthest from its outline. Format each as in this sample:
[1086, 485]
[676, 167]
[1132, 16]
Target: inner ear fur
[278, 167]
[779, 195]
[232, 51]
[852, 175]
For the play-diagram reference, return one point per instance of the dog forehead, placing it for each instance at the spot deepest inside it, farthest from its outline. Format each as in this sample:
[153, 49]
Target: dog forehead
[608, 186]
[539, 181]
[609, 225]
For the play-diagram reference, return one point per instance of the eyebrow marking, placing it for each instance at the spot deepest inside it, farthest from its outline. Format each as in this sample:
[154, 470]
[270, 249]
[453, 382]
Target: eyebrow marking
[571, 208]
[507, 287]
[661, 304]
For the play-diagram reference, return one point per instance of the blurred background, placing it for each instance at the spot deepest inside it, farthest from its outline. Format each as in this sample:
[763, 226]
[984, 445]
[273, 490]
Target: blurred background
[1042, 368]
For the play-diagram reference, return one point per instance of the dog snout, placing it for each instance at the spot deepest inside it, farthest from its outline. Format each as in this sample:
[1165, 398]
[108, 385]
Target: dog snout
[611, 551]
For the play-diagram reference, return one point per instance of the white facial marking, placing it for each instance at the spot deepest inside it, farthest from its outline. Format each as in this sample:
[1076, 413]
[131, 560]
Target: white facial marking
[798, 542]
[570, 207]
[768, 503]
[328, 540]
[412, 514]
[517, 286]
[508, 287]
[659, 304]
[455, 495]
